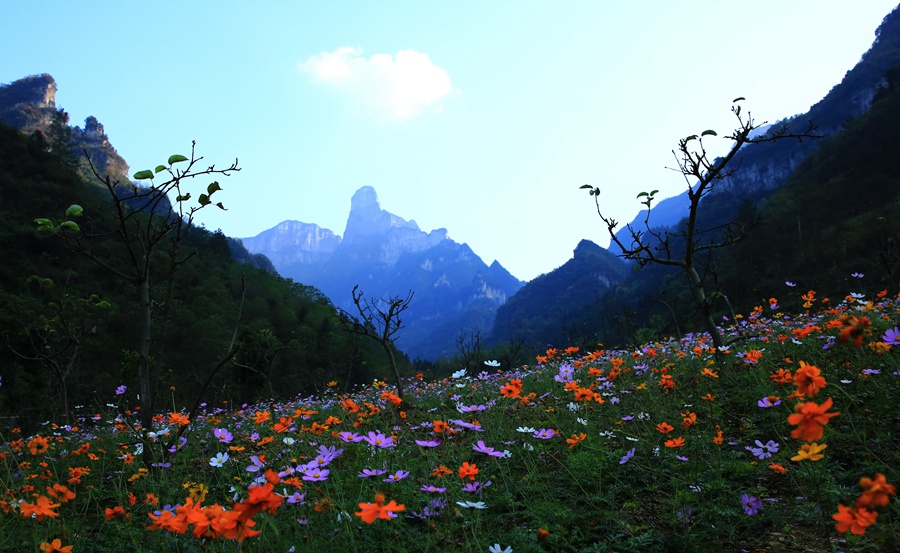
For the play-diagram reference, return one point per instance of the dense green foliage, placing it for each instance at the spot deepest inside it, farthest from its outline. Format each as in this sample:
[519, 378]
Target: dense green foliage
[67, 325]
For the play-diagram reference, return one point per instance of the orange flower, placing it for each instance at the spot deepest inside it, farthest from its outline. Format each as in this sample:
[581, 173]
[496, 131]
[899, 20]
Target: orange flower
[38, 445]
[178, 418]
[664, 427]
[808, 380]
[708, 397]
[779, 469]
[441, 471]
[60, 493]
[369, 512]
[261, 498]
[709, 373]
[350, 405]
[542, 534]
[812, 451]
[283, 425]
[169, 521]
[55, 546]
[261, 417]
[666, 382]
[810, 419]
[512, 389]
[583, 394]
[468, 470]
[753, 356]
[116, 512]
[876, 493]
[440, 426]
[853, 328]
[781, 376]
[853, 519]
[689, 420]
[576, 439]
[677, 442]
[76, 473]
[40, 509]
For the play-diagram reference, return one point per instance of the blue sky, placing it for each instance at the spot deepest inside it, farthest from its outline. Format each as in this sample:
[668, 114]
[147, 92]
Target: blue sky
[480, 117]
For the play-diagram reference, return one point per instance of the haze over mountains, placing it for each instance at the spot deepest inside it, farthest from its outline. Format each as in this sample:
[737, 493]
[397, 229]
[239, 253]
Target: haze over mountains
[454, 290]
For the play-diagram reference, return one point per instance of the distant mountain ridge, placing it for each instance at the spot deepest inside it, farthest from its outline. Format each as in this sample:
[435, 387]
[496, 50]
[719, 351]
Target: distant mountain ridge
[386, 255]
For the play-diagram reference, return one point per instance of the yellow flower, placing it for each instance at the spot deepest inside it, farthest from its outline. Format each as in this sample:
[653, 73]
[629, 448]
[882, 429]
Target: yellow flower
[812, 451]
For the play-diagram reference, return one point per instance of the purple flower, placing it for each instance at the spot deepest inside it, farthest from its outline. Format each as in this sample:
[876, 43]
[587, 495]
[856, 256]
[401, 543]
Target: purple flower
[295, 498]
[544, 433]
[432, 489]
[428, 443]
[316, 474]
[763, 451]
[470, 409]
[257, 464]
[627, 457]
[791, 284]
[366, 473]
[767, 402]
[684, 515]
[681, 457]
[480, 447]
[869, 372]
[751, 504]
[329, 452]
[223, 435]
[379, 440]
[857, 275]
[892, 336]
[397, 476]
[119, 391]
[350, 436]
[628, 417]
[467, 425]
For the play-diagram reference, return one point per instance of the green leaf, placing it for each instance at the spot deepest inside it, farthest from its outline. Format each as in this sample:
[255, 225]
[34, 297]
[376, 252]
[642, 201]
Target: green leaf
[738, 99]
[183, 197]
[160, 168]
[204, 199]
[653, 192]
[143, 175]
[44, 222]
[213, 187]
[74, 210]
[692, 137]
[175, 158]
[709, 132]
[583, 186]
[220, 206]
[71, 225]
[642, 194]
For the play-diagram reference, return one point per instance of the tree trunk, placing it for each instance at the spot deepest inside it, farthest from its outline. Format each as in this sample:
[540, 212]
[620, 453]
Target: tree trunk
[700, 298]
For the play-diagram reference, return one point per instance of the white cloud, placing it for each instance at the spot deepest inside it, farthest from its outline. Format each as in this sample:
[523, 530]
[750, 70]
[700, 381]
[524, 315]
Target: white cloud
[385, 86]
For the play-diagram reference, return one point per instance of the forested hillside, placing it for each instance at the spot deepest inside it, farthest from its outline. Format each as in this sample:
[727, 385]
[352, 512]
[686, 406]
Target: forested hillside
[69, 326]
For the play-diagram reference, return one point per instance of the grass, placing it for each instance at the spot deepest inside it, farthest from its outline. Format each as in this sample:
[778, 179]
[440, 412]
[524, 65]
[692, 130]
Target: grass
[558, 469]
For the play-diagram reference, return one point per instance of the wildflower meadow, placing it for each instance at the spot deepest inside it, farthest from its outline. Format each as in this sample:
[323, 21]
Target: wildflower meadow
[785, 439]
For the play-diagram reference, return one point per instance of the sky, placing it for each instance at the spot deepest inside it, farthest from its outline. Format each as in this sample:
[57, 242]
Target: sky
[483, 118]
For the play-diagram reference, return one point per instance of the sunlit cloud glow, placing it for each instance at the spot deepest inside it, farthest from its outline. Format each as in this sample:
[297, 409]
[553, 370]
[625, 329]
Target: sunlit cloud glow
[384, 86]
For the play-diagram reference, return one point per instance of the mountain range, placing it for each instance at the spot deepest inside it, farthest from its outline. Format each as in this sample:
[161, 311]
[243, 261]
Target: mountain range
[455, 292]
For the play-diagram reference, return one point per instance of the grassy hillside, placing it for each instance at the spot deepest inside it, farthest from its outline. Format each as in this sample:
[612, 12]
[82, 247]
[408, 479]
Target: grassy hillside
[787, 442]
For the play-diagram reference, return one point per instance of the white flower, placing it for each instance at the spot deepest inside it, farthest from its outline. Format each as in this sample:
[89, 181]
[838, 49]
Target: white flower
[493, 363]
[497, 548]
[574, 406]
[527, 447]
[581, 421]
[525, 430]
[219, 460]
[846, 381]
[643, 416]
[459, 374]
[288, 440]
[472, 504]
[343, 515]
[631, 439]
[507, 454]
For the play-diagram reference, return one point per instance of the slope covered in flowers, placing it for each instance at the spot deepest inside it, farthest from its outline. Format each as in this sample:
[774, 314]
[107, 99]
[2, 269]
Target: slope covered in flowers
[785, 439]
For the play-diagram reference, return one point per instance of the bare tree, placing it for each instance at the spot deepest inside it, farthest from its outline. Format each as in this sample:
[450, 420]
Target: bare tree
[146, 223]
[701, 175]
[469, 346]
[379, 319]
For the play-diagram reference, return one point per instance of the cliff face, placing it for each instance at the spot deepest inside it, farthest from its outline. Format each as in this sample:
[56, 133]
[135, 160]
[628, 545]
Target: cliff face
[29, 105]
[386, 255]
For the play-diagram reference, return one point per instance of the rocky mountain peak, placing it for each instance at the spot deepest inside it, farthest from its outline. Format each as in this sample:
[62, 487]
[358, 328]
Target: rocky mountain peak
[368, 220]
